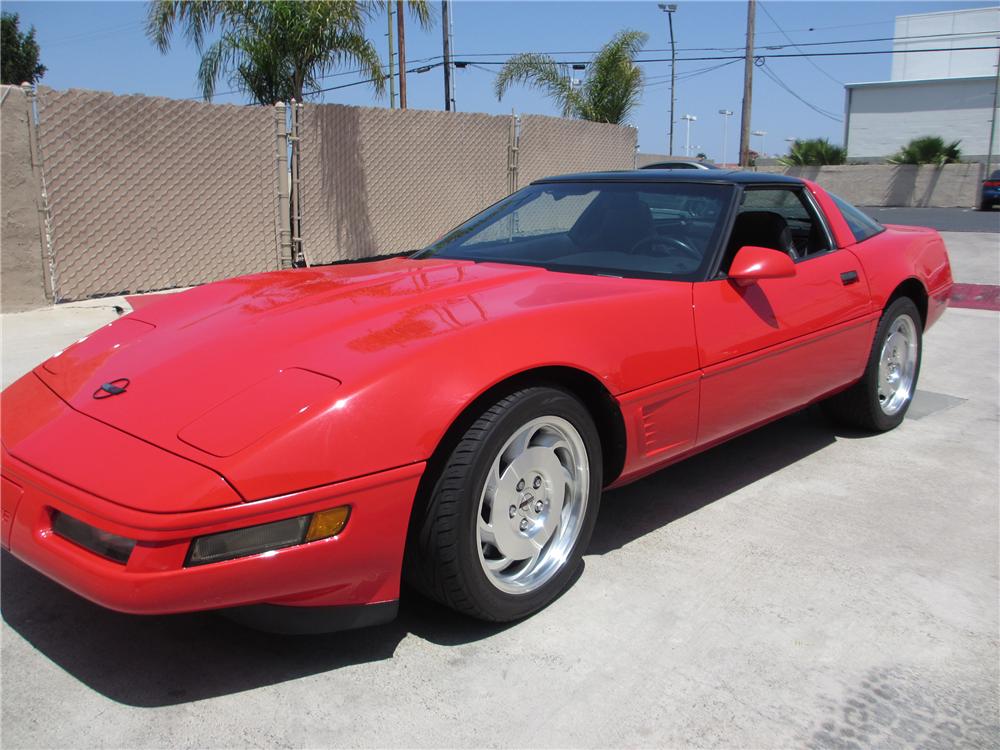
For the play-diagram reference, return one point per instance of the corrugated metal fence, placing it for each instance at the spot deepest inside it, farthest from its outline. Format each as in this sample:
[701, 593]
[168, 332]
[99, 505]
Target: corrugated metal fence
[145, 193]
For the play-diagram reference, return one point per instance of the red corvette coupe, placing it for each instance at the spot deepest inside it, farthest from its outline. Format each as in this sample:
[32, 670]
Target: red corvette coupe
[288, 446]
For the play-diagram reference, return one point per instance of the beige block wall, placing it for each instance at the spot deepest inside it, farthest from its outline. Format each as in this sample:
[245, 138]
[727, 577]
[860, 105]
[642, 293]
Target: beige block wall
[953, 185]
[378, 181]
[22, 269]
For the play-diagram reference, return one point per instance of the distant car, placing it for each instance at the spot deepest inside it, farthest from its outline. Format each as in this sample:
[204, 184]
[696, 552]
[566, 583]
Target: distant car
[292, 444]
[680, 164]
[989, 194]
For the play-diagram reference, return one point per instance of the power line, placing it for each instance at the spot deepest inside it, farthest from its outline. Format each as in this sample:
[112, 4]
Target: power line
[767, 56]
[94, 33]
[808, 59]
[774, 77]
[415, 69]
[770, 46]
[655, 81]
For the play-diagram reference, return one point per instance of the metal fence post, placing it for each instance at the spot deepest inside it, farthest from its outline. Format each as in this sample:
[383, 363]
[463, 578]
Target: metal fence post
[286, 257]
[44, 210]
[299, 254]
[513, 137]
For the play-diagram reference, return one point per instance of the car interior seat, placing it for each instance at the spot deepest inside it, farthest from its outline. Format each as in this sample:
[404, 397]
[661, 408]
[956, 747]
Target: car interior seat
[761, 229]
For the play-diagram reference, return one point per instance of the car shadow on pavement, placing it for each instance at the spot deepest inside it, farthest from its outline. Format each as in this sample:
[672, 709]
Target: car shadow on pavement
[672, 493]
[152, 661]
[169, 660]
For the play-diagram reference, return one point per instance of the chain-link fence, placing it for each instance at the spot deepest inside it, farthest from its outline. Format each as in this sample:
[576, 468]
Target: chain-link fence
[148, 193]
[377, 181]
[143, 193]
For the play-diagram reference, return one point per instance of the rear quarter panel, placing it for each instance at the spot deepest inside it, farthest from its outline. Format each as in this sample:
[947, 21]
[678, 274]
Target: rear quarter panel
[902, 253]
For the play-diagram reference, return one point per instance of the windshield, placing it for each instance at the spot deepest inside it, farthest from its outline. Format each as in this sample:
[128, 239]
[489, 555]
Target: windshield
[645, 229]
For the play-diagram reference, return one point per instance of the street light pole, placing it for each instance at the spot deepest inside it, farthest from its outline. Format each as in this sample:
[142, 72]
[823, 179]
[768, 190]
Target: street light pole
[726, 114]
[687, 136]
[761, 133]
[669, 9]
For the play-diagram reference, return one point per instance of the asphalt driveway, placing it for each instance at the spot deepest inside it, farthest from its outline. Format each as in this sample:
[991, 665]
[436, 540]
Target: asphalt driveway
[798, 586]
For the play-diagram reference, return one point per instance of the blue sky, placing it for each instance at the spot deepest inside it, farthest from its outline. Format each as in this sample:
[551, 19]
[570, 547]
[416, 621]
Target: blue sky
[101, 45]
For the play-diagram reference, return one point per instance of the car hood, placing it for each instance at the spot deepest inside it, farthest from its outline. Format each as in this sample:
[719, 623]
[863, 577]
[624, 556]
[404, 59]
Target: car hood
[183, 355]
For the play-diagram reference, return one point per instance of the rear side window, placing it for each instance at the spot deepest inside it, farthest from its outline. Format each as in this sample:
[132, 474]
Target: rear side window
[862, 226]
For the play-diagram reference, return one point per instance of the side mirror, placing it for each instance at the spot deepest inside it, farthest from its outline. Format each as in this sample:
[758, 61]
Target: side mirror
[752, 264]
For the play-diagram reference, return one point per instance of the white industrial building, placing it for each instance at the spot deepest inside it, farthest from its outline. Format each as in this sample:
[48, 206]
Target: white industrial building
[950, 93]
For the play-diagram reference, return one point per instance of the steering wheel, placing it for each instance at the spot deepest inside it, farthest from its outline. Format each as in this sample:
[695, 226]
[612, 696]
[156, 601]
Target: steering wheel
[668, 244]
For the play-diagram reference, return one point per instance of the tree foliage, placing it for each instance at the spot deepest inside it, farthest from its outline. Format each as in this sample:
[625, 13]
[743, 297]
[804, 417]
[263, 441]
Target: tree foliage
[610, 90]
[814, 152]
[929, 149]
[19, 58]
[274, 50]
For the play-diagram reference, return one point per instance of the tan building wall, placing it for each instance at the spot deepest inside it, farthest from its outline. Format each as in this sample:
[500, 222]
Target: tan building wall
[22, 268]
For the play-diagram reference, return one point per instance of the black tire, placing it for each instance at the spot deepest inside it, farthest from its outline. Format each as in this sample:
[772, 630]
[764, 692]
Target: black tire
[859, 405]
[443, 552]
[985, 206]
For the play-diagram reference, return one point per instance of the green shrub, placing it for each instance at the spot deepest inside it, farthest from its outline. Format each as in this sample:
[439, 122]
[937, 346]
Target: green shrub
[813, 152]
[929, 149]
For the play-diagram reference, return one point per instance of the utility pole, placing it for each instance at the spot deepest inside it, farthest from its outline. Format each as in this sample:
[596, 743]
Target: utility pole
[669, 10]
[392, 61]
[401, 31]
[446, 31]
[747, 88]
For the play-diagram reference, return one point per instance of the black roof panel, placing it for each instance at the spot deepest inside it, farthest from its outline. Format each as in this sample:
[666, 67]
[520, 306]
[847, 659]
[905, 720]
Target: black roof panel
[678, 175]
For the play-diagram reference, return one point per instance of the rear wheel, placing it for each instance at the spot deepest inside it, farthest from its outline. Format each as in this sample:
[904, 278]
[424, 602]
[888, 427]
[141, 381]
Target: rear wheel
[880, 400]
[513, 508]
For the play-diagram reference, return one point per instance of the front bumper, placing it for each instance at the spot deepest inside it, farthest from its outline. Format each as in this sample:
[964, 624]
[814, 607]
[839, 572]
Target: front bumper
[359, 566]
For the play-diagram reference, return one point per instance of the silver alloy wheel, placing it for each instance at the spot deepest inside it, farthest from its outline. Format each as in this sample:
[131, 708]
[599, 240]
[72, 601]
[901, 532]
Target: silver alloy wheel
[897, 365]
[532, 505]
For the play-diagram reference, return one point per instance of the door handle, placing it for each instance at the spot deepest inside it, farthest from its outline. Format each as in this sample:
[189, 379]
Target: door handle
[849, 277]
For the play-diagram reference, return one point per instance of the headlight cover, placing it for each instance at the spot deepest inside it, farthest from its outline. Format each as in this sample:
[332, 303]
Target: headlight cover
[104, 543]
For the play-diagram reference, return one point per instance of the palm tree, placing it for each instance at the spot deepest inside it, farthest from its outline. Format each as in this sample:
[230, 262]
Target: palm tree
[609, 92]
[814, 152]
[930, 149]
[274, 50]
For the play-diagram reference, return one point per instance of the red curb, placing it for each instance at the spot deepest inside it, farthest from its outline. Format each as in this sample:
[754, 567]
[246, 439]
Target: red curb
[976, 296]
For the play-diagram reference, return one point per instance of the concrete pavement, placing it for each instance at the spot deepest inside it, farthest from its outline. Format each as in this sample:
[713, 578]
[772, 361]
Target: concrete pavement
[798, 586]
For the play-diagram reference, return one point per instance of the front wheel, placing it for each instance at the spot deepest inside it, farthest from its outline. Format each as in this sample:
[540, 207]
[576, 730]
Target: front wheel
[513, 508]
[879, 401]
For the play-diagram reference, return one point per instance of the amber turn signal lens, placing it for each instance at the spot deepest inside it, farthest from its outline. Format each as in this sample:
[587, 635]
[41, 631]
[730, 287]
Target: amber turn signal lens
[328, 523]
